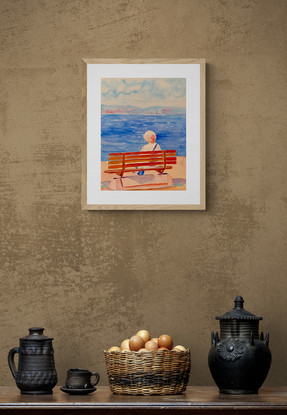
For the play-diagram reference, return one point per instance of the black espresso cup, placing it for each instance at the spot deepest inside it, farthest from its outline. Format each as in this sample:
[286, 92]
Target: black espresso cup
[81, 379]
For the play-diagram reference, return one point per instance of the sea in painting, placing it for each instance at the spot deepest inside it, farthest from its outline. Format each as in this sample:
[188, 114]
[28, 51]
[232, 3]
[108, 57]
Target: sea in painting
[124, 132]
[130, 108]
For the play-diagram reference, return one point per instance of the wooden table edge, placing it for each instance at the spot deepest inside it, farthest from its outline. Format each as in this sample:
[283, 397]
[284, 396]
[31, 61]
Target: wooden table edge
[195, 398]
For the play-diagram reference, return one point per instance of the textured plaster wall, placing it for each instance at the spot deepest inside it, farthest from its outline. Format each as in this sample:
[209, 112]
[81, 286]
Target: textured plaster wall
[94, 278]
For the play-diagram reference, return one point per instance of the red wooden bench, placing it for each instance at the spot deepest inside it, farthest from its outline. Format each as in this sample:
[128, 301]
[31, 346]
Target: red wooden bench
[121, 163]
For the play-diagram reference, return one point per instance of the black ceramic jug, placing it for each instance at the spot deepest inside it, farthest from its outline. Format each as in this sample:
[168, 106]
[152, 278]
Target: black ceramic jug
[36, 374]
[239, 361]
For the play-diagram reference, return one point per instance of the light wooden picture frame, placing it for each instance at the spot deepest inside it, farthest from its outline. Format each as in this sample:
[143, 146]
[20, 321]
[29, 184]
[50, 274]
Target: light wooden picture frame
[143, 134]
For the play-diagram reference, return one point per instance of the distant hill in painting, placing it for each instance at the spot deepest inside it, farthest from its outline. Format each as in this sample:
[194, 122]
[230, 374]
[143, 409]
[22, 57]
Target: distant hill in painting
[125, 109]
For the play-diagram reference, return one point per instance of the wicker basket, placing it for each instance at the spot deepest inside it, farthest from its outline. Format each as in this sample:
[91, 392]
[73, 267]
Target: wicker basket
[148, 373]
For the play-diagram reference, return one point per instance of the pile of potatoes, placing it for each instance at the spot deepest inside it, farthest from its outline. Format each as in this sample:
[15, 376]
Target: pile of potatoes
[142, 342]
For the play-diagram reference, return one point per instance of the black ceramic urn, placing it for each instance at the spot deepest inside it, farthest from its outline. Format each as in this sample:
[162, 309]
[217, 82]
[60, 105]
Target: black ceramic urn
[239, 361]
[36, 374]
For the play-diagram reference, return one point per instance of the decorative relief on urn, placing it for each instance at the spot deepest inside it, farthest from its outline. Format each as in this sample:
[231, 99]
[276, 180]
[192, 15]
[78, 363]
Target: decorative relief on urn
[231, 349]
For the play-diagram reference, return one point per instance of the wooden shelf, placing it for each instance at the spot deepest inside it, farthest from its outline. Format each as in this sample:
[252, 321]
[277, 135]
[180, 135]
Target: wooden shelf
[196, 400]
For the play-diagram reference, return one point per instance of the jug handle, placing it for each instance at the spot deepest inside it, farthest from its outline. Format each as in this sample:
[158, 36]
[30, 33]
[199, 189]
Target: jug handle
[11, 361]
[97, 378]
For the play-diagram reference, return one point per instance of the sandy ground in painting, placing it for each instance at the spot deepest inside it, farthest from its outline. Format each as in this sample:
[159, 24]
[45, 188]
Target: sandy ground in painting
[178, 174]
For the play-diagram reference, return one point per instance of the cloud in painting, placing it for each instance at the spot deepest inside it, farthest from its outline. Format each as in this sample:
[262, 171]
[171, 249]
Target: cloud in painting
[144, 92]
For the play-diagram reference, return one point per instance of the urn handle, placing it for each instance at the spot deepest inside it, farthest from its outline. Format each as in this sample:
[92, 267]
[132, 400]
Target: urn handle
[11, 361]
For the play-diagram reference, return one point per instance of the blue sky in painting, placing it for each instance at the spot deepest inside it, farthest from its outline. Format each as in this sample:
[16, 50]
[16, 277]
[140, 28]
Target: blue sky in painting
[144, 92]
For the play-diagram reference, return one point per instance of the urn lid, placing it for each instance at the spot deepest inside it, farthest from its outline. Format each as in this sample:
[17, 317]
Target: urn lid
[36, 334]
[238, 313]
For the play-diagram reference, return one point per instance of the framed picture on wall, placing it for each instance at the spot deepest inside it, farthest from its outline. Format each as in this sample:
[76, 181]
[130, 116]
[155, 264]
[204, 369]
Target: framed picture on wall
[144, 134]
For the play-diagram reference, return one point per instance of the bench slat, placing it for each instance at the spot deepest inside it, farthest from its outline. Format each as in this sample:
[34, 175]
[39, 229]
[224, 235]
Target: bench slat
[115, 158]
[118, 171]
[149, 158]
[141, 155]
[144, 156]
[160, 157]
[150, 154]
[144, 152]
[127, 165]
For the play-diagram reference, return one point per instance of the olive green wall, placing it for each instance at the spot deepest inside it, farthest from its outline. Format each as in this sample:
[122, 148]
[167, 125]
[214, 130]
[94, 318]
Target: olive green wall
[94, 278]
